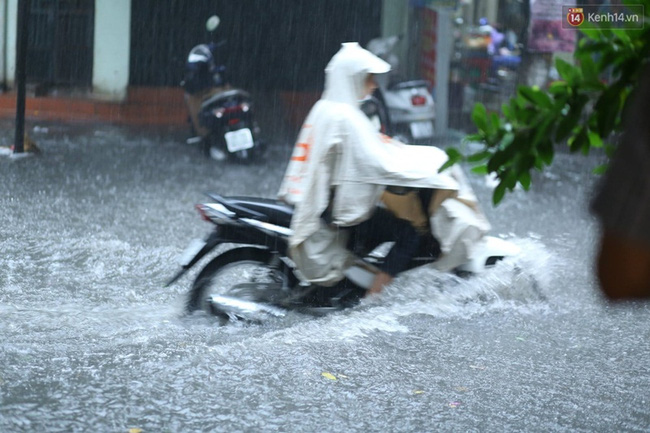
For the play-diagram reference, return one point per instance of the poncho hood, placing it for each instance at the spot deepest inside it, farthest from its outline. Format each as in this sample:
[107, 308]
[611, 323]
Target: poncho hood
[346, 72]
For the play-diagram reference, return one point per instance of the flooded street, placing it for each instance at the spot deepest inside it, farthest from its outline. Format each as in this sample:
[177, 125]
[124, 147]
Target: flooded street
[90, 230]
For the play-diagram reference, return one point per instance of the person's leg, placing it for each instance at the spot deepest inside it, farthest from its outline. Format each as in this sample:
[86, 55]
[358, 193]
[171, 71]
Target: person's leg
[382, 227]
[382, 279]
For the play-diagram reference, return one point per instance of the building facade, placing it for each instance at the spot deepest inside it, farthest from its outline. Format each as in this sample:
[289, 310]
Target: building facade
[82, 43]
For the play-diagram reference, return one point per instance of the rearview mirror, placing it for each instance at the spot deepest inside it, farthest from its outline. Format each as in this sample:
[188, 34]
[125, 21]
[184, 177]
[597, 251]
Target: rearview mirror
[212, 23]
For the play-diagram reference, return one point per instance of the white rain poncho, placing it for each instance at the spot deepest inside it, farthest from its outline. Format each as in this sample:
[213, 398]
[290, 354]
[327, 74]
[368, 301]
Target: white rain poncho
[340, 156]
[458, 224]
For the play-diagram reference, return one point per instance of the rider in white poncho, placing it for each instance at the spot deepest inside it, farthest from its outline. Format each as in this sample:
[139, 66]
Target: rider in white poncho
[340, 167]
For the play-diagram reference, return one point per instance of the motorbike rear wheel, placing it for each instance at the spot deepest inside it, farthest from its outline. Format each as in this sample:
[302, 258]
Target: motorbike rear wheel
[214, 148]
[249, 274]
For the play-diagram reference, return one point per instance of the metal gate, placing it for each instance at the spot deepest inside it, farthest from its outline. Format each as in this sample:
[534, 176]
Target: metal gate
[60, 46]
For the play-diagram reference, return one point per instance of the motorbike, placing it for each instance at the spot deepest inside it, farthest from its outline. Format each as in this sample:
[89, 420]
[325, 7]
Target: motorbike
[221, 116]
[255, 279]
[408, 103]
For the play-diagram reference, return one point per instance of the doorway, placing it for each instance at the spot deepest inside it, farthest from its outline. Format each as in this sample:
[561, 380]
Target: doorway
[60, 44]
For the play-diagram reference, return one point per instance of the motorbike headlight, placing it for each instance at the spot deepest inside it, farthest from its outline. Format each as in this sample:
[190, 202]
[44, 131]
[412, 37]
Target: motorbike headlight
[218, 112]
[245, 107]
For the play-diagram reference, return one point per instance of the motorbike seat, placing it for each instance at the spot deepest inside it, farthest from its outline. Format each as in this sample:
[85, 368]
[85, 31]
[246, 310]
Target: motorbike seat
[270, 210]
[412, 84]
[220, 98]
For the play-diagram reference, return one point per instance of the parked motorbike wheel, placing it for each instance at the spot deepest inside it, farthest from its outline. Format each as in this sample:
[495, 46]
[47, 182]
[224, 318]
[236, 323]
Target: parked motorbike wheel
[214, 148]
[244, 282]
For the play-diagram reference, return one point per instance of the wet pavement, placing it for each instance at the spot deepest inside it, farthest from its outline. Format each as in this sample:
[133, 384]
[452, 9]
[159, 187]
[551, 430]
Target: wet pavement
[90, 230]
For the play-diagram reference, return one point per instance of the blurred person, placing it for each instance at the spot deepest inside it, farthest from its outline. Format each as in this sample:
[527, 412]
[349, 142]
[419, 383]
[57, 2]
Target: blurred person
[622, 205]
[497, 38]
[338, 171]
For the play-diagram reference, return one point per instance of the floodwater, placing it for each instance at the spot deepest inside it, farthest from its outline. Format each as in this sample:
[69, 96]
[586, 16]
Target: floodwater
[91, 340]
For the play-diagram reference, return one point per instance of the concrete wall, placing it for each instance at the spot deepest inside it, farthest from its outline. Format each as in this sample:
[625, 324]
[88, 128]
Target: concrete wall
[9, 49]
[3, 45]
[112, 46]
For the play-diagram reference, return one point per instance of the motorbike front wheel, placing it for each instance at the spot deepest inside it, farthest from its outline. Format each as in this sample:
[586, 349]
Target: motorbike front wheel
[247, 278]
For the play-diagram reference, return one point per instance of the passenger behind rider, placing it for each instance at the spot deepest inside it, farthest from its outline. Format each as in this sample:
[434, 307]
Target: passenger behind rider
[338, 171]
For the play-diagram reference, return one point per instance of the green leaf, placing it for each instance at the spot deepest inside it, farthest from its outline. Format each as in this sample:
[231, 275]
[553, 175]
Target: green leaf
[578, 141]
[558, 88]
[586, 147]
[521, 101]
[453, 156]
[499, 159]
[608, 58]
[480, 169]
[528, 162]
[595, 140]
[546, 152]
[623, 38]
[525, 115]
[507, 140]
[568, 72]
[524, 180]
[566, 125]
[601, 169]
[510, 180]
[473, 138]
[563, 68]
[445, 166]
[608, 110]
[495, 123]
[542, 130]
[593, 86]
[589, 47]
[609, 150]
[570, 121]
[593, 34]
[479, 156]
[507, 111]
[498, 193]
[536, 97]
[606, 32]
[479, 117]
[516, 106]
[453, 153]
[589, 70]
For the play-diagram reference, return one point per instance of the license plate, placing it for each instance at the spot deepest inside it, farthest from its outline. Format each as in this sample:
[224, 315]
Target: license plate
[192, 250]
[239, 140]
[423, 129]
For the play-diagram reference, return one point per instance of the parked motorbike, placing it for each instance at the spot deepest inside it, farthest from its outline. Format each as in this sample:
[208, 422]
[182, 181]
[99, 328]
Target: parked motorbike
[408, 103]
[221, 116]
[376, 112]
[255, 279]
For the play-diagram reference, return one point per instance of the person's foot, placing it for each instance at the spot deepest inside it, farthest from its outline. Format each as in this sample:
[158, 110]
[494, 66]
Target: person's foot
[381, 280]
